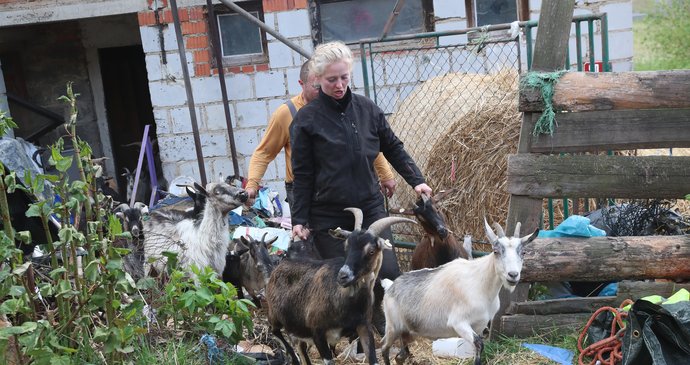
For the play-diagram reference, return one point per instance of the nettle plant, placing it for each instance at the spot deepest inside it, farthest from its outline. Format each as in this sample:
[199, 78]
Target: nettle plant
[86, 308]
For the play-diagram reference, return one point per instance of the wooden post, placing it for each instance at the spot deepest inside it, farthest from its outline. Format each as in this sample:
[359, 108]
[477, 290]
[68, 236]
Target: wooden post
[549, 55]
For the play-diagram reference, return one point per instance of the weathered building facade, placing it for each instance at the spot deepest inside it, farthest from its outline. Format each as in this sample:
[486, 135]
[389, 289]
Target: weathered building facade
[124, 60]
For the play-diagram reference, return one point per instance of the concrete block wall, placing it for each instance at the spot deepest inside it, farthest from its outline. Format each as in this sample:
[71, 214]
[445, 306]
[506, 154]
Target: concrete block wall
[254, 90]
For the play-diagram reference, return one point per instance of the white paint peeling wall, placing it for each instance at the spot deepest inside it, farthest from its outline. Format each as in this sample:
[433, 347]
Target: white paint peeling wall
[252, 98]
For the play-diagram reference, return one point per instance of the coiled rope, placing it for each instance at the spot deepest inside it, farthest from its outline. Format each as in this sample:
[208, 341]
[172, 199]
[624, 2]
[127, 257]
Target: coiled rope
[606, 351]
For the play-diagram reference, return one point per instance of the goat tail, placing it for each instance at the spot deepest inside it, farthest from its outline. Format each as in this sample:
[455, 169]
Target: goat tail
[386, 283]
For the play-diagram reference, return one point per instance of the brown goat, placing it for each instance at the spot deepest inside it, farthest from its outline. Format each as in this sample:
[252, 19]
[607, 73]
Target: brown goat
[438, 245]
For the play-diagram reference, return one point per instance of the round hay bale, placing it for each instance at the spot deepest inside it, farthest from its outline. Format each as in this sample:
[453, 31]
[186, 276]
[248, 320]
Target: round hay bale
[459, 129]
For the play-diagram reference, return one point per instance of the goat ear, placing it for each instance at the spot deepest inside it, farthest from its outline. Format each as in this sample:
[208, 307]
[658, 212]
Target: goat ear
[385, 244]
[270, 242]
[239, 244]
[190, 192]
[200, 189]
[339, 233]
[527, 239]
[245, 241]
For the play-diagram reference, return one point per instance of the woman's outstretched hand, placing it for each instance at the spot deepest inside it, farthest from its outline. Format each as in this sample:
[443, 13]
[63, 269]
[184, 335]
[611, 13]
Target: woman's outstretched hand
[422, 189]
[300, 232]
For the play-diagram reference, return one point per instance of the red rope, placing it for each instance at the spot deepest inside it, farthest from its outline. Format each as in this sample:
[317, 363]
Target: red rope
[606, 351]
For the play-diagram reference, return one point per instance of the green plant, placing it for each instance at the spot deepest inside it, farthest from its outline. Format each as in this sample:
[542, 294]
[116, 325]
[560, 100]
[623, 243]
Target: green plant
[204, 304]
[88, 309]
[664, 37]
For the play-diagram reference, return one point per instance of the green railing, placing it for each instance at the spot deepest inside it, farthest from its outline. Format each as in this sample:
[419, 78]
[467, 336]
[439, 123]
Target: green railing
[394, 66]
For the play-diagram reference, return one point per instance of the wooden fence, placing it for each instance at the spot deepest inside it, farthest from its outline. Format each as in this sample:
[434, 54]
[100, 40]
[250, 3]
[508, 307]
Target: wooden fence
[597, 112]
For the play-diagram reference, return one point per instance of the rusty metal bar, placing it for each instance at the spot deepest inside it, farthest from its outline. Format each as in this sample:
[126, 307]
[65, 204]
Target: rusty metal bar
[215, 45]
[236, 8]
[391, 18]
[188, 89]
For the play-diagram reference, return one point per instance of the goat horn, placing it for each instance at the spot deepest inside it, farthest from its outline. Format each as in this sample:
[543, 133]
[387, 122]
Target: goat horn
[359, 217]
[489, 232]
[377, 227]
[121, 208]
[517, 230]
[425, 198]
[499, 230]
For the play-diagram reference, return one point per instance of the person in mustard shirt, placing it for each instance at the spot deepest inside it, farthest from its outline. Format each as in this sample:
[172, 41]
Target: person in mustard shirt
[277, 137]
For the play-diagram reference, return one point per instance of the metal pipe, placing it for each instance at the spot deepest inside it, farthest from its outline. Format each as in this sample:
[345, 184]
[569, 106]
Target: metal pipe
[215, 45]
[365, 72]
[605, 43]
[188, 89]
[230, 4]
[391, 18]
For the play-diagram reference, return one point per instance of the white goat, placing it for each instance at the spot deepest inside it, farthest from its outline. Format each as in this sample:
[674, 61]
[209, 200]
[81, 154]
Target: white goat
[201, 240]
[457, 299]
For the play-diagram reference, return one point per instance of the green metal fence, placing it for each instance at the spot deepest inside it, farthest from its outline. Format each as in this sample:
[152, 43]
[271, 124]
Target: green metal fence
[400, 71]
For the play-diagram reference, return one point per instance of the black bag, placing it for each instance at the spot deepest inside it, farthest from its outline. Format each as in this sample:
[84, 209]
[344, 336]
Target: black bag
[658, 335]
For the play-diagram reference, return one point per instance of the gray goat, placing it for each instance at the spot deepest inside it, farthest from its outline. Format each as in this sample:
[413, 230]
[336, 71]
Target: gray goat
[201, 240]
[132, 222]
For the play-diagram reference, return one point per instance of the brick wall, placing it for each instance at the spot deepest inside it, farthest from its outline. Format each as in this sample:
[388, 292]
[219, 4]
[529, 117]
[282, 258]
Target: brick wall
[254, 90]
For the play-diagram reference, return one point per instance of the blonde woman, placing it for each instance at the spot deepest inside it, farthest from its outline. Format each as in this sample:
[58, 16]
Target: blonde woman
[335, 140]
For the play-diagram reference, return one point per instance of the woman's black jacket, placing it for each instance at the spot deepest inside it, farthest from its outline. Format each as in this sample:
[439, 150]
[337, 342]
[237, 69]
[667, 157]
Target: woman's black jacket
[334, 144]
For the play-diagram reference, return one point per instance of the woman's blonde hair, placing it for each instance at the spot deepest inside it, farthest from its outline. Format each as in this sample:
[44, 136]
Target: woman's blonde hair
[328, 53]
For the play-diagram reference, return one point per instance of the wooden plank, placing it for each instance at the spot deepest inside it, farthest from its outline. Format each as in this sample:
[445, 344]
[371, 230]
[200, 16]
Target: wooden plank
[607, 258]
[613, 130]
[639, 289]
[549, 55]
[585, 91]
[551, 45]
[524, 325]
[562, 306]
[599, 176]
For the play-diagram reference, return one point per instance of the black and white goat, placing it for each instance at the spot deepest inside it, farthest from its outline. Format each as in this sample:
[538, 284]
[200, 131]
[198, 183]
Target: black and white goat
[202, 240]
[457, 299]
[324, 300]
[249, 265]
[132, 222]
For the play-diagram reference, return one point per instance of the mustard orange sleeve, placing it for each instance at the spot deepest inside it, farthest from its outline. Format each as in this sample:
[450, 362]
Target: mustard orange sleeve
[276, 137]
[383, 169]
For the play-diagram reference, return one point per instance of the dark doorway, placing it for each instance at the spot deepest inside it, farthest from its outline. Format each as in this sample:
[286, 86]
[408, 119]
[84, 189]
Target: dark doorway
[128, 108]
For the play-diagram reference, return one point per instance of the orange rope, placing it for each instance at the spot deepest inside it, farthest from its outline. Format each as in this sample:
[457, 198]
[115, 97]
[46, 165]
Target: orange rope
[606, 351]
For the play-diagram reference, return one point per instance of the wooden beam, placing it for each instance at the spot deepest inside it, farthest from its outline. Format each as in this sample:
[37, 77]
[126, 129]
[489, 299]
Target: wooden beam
[585, 91]
[562, 306]
[613, 130]
[542, 176]
[551, 45]
[627, 289]
[549, 55]
[607, 258]
[523, 325]
[634, 290]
